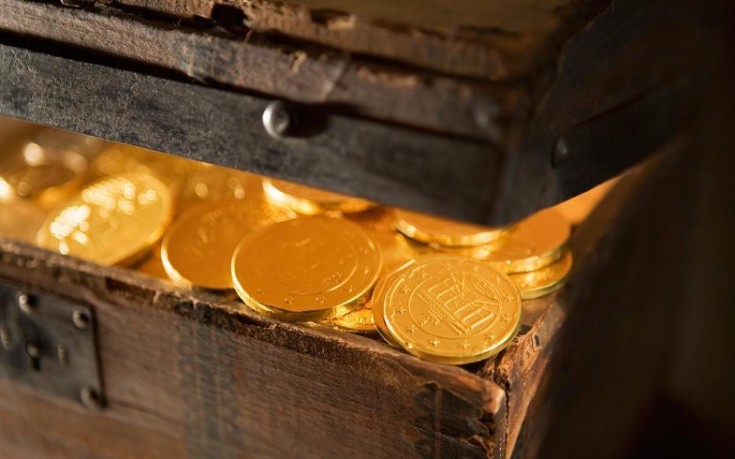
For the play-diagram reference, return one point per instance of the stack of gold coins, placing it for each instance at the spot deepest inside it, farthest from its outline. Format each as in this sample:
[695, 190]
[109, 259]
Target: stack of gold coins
[306, 269]
[532, 252]
[448, 309]
[442, 232]
[311, 201]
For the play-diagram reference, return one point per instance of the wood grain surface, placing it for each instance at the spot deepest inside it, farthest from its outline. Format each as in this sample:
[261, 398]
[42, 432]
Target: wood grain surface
[490, 40]
[301, 73]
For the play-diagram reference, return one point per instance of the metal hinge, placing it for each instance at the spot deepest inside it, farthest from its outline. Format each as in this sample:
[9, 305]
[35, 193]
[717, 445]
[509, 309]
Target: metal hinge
[49, 344]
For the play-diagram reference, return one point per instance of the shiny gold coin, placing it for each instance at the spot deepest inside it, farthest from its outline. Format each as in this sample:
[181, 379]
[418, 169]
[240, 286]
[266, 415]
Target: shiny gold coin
[45, 176]
[449, 309]
[397, 251]
[532, 244]
[214, 182]
[119, 159]
[361, 320]
[311, 201]
[535, 284]
[307, 269]
[198, 248]
[111, 221]
[450, 233]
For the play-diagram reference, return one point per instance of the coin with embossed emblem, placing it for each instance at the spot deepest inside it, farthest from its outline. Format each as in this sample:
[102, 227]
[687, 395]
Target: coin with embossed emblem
[198, 248]
[449, 309]
[450, 233]
[112, 221]
[532, 244]
[306, 269]
[311, 201]
[543, 281]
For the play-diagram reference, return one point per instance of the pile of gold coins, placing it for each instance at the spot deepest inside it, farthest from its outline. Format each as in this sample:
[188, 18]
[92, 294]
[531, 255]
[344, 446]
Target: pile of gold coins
[441, 290]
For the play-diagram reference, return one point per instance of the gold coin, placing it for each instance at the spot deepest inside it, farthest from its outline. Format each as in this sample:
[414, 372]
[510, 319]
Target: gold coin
[214, 182]
[535, 284]
[306, 269]
[111, 221]
[311, 201]
[396, 252]
[532, 244]
[450, 309]
[119, 159]
[197, 249]
[428, 229]
[45, 176]
[360, 320]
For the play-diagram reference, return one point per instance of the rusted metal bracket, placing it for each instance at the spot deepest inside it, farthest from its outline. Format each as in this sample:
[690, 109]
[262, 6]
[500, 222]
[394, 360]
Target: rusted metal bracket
[49, 344]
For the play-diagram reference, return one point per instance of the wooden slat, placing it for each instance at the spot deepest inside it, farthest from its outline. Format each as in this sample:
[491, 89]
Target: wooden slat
[488, 39]
[300, 74]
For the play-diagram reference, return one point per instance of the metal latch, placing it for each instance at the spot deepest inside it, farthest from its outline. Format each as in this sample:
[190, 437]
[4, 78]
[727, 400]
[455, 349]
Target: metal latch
[49, 344]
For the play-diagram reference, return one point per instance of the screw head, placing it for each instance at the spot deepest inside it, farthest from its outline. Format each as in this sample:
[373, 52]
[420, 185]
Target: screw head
[24, 303]
[33, 350]
[277, 119]
[81, 319]
[90, 398]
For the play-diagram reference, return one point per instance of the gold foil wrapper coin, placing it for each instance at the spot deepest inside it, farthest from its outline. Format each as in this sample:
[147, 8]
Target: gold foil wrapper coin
[450, 233]
[544, 281]
[311, 201]
[449, 309]
[121, 159]
[532, 244]
[197, 250]
[306, 269]
[112, 221]
[41, 175]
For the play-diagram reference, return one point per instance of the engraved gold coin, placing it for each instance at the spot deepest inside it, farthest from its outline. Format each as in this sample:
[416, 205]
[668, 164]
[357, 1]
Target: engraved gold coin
[306, 269]
[198, 248]
[42, 175]
[111, 221]
[450, 233]
[542, 282]
[532, 244]
[311, 201]
[449, 309]
[396, 252]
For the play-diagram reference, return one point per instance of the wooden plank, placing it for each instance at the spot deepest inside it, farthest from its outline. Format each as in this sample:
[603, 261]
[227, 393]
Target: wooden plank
[227, 383]
[487, 39]
[302, 74]
[33, 425]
